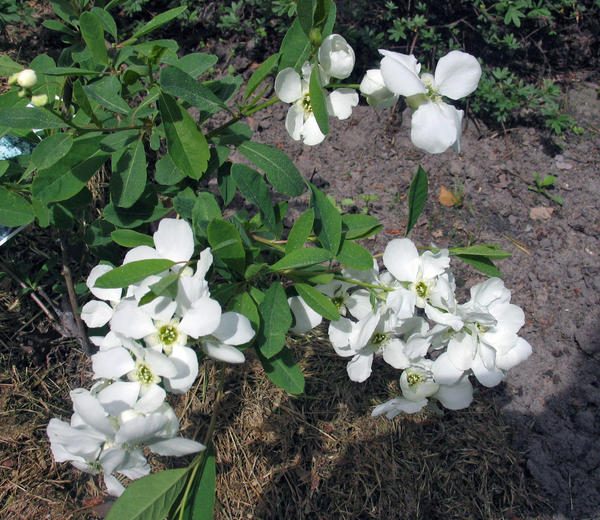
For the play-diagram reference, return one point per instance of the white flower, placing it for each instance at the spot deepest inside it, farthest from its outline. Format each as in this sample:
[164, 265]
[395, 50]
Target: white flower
[426, 277]
[377, 94]
[488, 345]
[336, 56]
[305, 317]
[300, 121]
[27, 78]
[96, 313]
[435, 125]
[234, 329]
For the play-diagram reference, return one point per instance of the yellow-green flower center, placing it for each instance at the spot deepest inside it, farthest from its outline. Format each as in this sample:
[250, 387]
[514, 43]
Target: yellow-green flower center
[338, 301]
[413, 378]
[378, 338]
[168, 334]
[306, 105]
[144, 374]
[421, 289]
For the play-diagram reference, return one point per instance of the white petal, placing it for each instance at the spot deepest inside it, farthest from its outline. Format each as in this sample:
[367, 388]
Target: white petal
[487, 376]
[359, 367]
[461, 350]
[177, 447]
[373, 88]
[311, 132]
[362, 331]
[457, 74]
[490, 291]
[510, 317]
[434, 264]
[394, 355]
[520, 352]
[112, 363]
[402, 301]
[174, 240]
[444, 318]
[341, 101]
[96, 313]
[202, 319]
[131, 321]
[113, 486]
[288, 85]
[294, 122]
[186, 364]
[455, 397]
[140, 429]
[160, 364]
[234, 329]
[359, 304]
[91, 411]
[305, 317]
[456, 145]
[398, 405]
[140, 253]
[204, 263]
[401, 73]
[119, 396]
[222, 352]
[401, 258]
[152, 398]
[444, 371]
[340, 332]
[111, 295]
[434, 127]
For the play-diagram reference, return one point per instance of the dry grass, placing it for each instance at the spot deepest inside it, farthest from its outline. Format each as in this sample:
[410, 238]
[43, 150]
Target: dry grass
[320, 456]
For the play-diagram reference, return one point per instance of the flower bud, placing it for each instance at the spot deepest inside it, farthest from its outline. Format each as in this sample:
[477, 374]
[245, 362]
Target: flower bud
[315, 37]
[27, 78]
[336, 56]
[40, 100]
[375, 91]
[12, 79]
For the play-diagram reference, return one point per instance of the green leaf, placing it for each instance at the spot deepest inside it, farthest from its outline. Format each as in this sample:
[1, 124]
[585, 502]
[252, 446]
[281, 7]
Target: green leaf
[317, 301]
[166, 286]
[196, 63]
[300, 231]
[305, 9]
[167, 173]
[317, 102]
[93, 35]
[14, 209]
[302, 258]
[276, 319]
[70, 174]
[81, 98]
[107, 93]
[200, 504]
[28, 118]
[133, 272]
[481, 250]
[51, 150]
[481, 263]
[417, 195]
[328, 221]
[354, 256]
[254, 188]
[158, 21]
[259, 75]
[226, 244]
[283, 371]
[128, 178]
[150, 497]
[179, 84]
[295, 47]
[278, 167]
[184, 201]
[204, 211]
[107, 21]
[187, 145]
[360, 226]
[130, 238]
[8, 66]
[225, 88]
[146, 209]
[55, 25]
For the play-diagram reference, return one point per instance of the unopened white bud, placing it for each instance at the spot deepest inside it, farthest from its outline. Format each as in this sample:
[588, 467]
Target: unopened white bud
[40, 100]
[27, 78]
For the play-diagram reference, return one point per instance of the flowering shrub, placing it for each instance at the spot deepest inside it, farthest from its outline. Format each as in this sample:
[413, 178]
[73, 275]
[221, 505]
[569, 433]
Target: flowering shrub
[216, 280]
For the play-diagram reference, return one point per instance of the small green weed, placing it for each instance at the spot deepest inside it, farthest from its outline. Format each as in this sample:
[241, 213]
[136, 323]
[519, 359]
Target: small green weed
[542, 186]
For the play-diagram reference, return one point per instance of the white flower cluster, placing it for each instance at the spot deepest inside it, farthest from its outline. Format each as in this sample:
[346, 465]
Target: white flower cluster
[389, 314]
[144, 355]
[336, 60]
